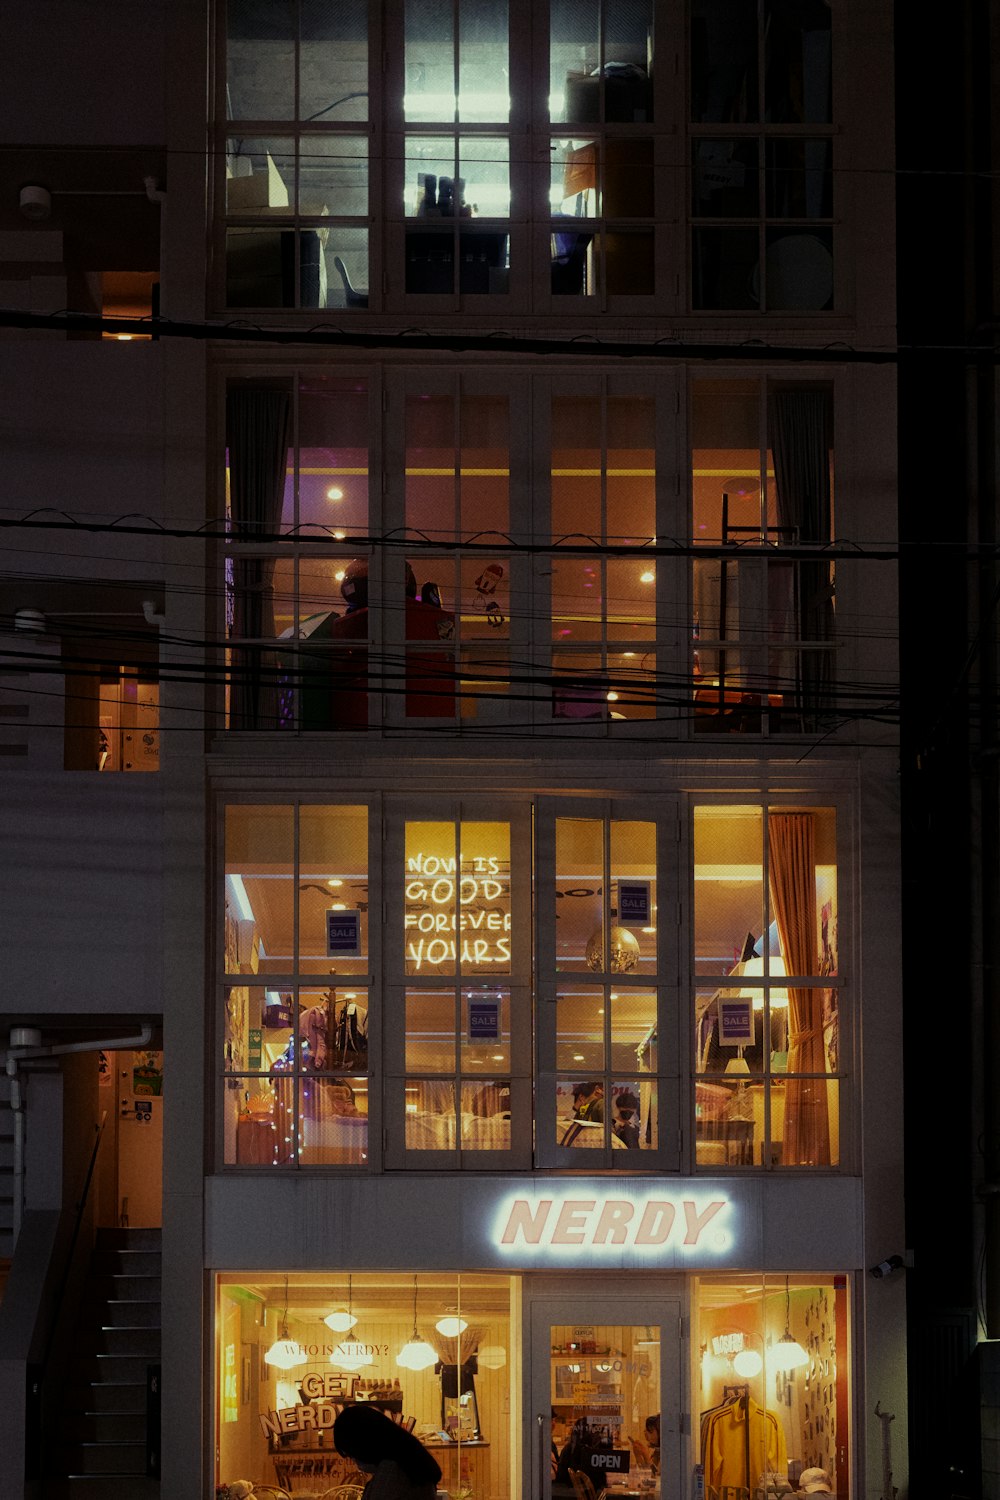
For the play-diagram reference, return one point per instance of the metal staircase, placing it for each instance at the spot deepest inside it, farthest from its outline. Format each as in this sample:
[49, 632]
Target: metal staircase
[110, 1448]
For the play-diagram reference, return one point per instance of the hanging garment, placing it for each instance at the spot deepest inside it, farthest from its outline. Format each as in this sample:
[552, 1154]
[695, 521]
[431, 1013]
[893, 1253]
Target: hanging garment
[726, 1444]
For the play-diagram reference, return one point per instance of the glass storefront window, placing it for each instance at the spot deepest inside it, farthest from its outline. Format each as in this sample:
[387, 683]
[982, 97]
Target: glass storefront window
[771, 1380]
[767, 1047]
[292, 1351]
[605, 1422]
[296, 996]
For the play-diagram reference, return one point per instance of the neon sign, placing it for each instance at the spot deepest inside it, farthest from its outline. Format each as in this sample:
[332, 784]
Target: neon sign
[651, 1224]
[478, 934]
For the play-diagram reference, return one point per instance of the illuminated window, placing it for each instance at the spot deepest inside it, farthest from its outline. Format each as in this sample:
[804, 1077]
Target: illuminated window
[296, 986]
[764, 618]
[603, 576]
[767, 999]
[780, 1345]
[275, 1418]
[296, 589]
[459, 1046]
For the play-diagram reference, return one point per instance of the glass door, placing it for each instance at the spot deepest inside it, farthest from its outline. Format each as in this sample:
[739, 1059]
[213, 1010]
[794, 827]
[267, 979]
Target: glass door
[605, 1387]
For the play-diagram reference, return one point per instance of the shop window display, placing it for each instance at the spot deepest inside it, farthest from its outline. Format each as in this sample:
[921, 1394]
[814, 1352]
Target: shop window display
[771, 1377]
[430, 1351]
[459, 954]
[605, 994]
[296, 994]
[767, 1016]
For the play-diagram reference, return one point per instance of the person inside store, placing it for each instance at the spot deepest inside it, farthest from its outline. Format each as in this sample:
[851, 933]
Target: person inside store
[652, 1430]
[560, 1433]
[814, 1482]
[400, 1465]
[576, 1454]
[588, 1109]
[625, 1120]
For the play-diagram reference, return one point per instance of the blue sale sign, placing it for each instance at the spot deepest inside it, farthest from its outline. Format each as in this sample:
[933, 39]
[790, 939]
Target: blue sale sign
[484, 1020]
[634, 903]
[343, 934]
[735, 1022]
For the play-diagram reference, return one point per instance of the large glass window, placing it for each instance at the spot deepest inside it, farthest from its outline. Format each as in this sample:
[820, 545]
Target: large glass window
[459, 602]
[296, 986]
[602, 1022]
[296, 194]
[602, 186]
[603, 587]
[761, 157]
[771, 1381]
[766, 1003]
[432, 1351]
[296, 589]
[762, 499]
[458, 1046]
[457, 181]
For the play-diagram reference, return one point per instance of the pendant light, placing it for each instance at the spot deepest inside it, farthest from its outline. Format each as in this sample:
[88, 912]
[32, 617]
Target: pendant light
[342, 1319]
[492, 1356]
[787, 1353]
[417, 1354]
[747, 1363]
[285, 1353]
[351, 1356]
[449, 1327]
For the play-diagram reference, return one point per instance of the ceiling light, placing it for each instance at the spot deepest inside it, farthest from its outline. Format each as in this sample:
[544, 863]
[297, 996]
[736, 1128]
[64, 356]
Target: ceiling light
[334, 882]
[285, 1353]
[747, 1363]
[492, 1357]
[647, 577]
[351, 1356]
[787, 1353]
[451, 1327]
[416, 1353]
[335, 493]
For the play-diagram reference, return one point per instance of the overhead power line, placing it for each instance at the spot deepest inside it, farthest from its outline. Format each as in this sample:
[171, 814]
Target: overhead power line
[669, 347]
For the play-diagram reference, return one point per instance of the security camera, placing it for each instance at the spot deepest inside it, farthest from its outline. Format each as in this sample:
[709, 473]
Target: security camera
[886, 1267]
[35, 201]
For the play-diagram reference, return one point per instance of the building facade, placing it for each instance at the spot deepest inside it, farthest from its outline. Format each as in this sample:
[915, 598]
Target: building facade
[485, 549]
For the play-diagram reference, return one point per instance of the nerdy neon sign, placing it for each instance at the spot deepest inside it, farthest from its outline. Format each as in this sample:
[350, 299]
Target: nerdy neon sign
[651, 1224]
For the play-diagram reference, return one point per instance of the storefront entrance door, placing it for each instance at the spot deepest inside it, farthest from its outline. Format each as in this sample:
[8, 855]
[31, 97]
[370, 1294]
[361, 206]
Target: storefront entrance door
[606, 1398]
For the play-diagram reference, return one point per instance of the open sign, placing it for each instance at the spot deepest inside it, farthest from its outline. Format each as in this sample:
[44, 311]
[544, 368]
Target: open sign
[616, 1462]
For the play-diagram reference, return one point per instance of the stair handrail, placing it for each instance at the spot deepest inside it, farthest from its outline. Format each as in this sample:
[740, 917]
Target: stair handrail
[71, 1252]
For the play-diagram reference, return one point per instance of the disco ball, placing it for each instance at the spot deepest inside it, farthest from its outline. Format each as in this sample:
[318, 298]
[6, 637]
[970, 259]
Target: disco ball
[623, 951]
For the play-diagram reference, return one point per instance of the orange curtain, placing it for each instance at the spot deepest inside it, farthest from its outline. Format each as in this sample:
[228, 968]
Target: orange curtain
[792, 849]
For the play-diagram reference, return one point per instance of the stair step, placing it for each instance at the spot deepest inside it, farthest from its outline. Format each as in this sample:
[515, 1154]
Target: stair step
[130, 1314]
[103, 1487]
[129, 1239]
[127, 1339]
[106, 1396]
[126, 1369]
[125, 1285]
[106, 1458]
[101, 1427]
[113, 1262]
